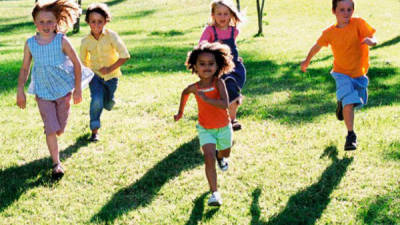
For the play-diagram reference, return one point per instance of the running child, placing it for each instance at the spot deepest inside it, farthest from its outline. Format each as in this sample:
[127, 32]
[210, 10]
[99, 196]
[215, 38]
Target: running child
[349, 39]
[56, 71]
[222, 28]
[104, 52]
[209, 62]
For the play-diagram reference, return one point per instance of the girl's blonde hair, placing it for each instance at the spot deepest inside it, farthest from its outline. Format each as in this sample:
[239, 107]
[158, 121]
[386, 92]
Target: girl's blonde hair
[236, 16]
[221, 52]
[65, 11]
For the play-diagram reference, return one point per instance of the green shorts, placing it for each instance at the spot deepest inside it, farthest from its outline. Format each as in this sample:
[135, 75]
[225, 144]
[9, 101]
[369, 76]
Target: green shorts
[221, 137]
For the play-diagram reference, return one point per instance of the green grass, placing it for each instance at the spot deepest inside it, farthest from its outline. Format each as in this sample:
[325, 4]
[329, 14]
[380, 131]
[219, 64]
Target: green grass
[287, 166]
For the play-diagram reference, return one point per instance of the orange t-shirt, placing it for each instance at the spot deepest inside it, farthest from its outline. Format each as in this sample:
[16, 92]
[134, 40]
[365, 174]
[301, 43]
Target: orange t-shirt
[211, 117]
[350, 56]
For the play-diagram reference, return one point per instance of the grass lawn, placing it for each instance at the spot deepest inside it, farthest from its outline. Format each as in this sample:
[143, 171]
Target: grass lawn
[287, 166]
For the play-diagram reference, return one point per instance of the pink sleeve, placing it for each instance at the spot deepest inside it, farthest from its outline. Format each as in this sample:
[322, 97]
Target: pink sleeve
[208, 35]
[236, 33]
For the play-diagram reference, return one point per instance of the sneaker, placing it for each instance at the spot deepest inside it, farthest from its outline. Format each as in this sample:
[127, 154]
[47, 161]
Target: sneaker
[351, 142]
[339, 110]
[215, 199]
[94, 138]
[222, 163]
[236, 125]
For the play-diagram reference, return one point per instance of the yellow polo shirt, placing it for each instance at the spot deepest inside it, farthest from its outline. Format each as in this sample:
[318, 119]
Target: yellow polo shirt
[103, 52]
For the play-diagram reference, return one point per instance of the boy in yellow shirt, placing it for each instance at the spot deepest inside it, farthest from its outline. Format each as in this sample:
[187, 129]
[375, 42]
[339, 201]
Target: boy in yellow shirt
[349, 39]
[104, 52]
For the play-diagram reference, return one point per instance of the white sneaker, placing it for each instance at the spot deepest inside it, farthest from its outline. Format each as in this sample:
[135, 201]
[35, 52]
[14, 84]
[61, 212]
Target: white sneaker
[215, 199]
[222, 163]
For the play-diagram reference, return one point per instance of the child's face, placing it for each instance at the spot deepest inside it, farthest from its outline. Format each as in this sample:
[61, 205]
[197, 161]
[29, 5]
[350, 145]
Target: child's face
[344, 12]
[206, 66]
[46, 23]
[222, 16]
[96, 23]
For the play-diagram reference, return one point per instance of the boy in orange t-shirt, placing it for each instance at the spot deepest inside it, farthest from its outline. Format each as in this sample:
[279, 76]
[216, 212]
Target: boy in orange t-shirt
[349, 39]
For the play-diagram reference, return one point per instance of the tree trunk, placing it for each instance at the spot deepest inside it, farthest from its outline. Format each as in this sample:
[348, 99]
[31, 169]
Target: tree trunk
[238, 5]
[260, 9]
[76, 25]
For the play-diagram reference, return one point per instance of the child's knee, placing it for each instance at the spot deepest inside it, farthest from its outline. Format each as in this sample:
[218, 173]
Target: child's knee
[97, 103]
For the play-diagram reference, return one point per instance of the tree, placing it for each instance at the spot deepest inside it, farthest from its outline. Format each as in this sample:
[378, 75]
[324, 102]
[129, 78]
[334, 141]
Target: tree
[238, 5]
[260, 9]
[76, 25]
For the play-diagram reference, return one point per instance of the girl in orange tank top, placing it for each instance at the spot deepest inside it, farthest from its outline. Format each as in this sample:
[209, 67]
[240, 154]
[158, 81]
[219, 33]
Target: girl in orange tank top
[209, 61]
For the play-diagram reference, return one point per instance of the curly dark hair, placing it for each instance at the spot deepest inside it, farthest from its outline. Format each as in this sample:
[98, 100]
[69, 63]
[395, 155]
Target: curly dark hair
[221, 52]
[99, 8]
[335, 2]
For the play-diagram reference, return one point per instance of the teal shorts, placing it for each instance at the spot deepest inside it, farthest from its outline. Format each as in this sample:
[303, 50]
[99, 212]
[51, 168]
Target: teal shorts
[221, 137]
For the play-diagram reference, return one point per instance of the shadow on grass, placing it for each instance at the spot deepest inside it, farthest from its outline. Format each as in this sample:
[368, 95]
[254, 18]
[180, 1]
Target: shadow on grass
[381, 210]
[170, 33]
[17, 26]
[387, 43]
[114, 2]
[16, 180]
[305, 96]
[307, 206]
[197, 214]
[157, 59]
[138, 14]
[393, 152]
[143, 191]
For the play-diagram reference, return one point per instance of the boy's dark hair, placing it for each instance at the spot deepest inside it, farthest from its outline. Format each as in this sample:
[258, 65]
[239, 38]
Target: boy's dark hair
[99, 8]
[335, 2]
[221, 52]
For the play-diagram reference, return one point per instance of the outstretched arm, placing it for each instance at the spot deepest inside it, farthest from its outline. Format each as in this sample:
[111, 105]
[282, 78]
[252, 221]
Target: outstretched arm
[223, 102]
[370, 41]
[314, 50]
[184, 97]
[23, 77]
[70, 52]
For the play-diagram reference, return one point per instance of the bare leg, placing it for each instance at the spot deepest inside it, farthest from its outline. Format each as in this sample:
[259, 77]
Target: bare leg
[224, 153]
[94, 131]
[233, 108]
[209, 160]
[348, 115]
[51, 140]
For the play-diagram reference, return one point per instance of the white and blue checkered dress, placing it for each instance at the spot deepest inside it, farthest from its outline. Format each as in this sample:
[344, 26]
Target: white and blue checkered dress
[53, 72]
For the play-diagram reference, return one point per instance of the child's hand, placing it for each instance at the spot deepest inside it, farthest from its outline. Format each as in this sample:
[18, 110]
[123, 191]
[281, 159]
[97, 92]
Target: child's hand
[177, 116]
[105, 70]
[304, 65]
[77, 95]
[240, 59]
[21, 99]
[369, 41]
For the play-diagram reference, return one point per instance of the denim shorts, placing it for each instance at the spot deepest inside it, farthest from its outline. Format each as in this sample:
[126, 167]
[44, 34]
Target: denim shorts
[351, 90]
[221, 137]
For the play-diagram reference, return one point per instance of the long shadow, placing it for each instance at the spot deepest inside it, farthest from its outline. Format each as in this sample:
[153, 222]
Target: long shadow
[156, 59]
[138, 14]
[307, 205]
[114, 2]
[143, 191]
[197, 214]
[381, 209]
[16, 180]
[16, 26]
[393, 151]
[308, 95]
[387, 43]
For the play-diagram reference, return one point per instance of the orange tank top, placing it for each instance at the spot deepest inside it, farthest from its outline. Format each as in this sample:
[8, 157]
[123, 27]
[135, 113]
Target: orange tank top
[211, 117]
